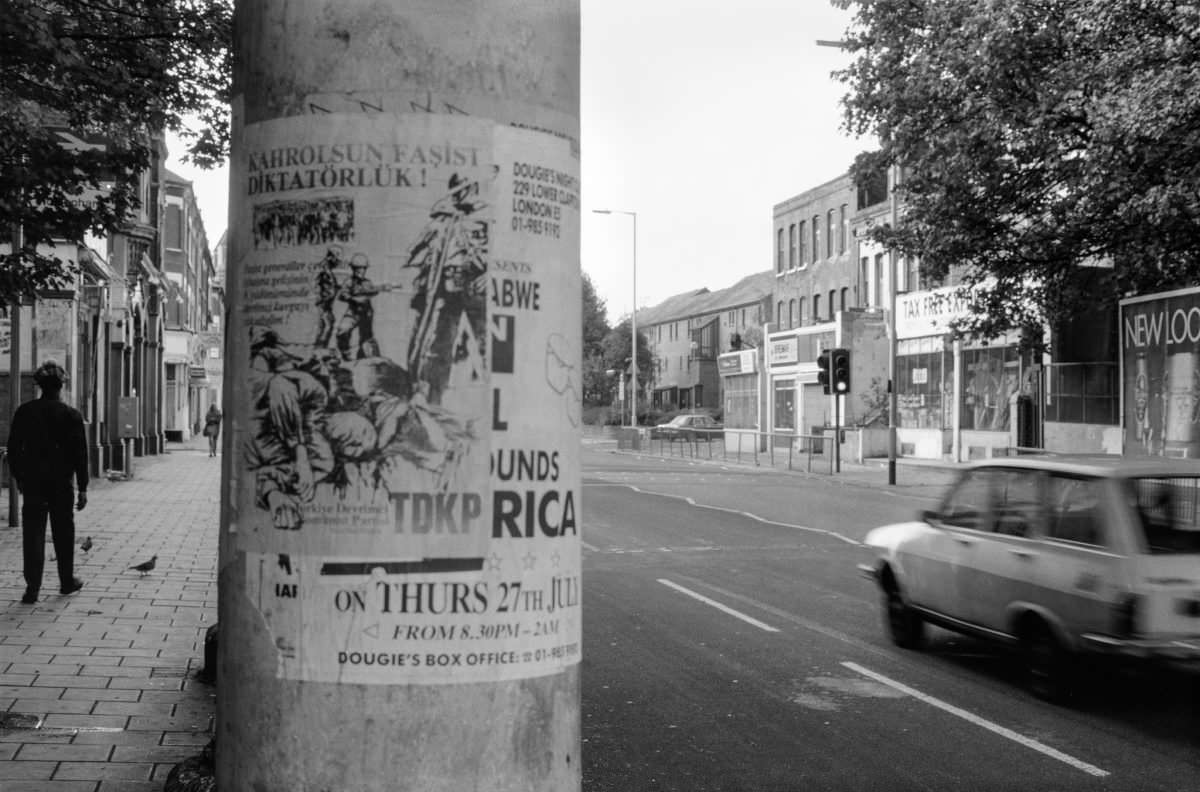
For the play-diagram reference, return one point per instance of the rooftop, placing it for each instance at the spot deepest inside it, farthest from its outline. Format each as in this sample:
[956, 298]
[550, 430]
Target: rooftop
[699, 302]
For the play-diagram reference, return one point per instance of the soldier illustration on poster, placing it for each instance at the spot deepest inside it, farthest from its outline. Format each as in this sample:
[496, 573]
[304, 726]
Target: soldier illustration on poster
[326, 286]
[350, 417]
[451, 284]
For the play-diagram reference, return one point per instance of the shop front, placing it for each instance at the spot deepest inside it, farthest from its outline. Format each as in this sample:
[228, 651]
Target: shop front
[956, 398]
[742, 409]
[796, 404]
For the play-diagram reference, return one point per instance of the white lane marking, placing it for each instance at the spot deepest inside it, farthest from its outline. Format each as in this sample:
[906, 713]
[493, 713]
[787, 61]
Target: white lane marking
[723, 608]
[739, 512]
[587, 546]
[970, 717]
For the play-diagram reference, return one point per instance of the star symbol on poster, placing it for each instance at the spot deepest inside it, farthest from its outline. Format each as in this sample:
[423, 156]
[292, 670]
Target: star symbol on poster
[555, 558]
[494, 563]
[529, 559]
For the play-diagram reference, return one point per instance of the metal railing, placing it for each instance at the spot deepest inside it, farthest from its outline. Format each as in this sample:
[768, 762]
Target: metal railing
[812, 453]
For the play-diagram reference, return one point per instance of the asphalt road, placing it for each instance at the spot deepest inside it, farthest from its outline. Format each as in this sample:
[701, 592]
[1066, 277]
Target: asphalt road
[729, 644]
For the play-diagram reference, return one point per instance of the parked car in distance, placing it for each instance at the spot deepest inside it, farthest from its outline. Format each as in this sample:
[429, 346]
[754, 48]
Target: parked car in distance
[688, 427]
[1056, 556]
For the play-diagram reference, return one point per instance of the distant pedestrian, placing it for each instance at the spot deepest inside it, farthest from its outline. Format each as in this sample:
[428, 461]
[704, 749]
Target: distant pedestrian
[47, 447]
[212, 428]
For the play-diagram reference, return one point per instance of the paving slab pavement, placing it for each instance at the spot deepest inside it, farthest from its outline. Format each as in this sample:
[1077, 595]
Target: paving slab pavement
[98, 690]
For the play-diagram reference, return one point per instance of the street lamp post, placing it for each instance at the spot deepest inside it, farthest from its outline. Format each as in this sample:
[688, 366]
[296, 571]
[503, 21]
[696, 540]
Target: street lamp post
[894, 266]
[632, 320]
[893, 178]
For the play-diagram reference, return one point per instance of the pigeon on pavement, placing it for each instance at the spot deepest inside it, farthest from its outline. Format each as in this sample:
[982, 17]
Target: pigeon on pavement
[87, 544]
[145, 566]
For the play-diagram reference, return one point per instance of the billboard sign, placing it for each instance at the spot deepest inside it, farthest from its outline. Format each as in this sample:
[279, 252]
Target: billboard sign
[1160, 374]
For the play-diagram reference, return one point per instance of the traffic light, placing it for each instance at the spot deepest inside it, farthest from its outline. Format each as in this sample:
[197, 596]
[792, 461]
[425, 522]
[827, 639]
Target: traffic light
[841, 370]
[823, 371]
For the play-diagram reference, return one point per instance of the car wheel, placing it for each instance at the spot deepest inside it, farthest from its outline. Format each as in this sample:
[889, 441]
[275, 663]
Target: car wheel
[1046, 663]
[905, 625]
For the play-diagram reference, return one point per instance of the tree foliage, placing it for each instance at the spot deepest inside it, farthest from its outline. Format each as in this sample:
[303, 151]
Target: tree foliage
[596, 385]
[595, 318]
[1035, 136]
[617, 348]
[85, 87]
[613, 355]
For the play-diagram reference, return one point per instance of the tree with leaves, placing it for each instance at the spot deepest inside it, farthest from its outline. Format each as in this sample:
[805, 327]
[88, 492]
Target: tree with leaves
[1035, 138]
[595, 318]
[615, 353]
[596, 387]
[86, 88]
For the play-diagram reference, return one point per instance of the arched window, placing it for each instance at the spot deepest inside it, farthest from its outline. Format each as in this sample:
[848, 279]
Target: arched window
[845, 296]
[816, 307]
[791, 313]
[800, 315]
[779, 315]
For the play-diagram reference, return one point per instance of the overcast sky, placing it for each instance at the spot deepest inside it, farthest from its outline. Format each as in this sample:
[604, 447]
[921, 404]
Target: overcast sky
[699, 115]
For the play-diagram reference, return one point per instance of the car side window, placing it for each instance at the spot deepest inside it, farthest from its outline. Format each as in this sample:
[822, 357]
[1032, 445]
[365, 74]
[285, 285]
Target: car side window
[967, 504]
[1017, 505]
[1075, 510]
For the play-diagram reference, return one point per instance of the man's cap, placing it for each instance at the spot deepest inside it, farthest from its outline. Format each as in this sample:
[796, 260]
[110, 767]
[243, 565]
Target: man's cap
[358, 261]
[50, 373]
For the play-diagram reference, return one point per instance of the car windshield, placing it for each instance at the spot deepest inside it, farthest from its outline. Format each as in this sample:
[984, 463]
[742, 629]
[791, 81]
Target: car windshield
[1170, 513]
[679, 420]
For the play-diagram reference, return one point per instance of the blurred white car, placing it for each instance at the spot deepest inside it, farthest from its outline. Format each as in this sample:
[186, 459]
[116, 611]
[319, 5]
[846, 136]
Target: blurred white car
[1055, 556]
[688, 427]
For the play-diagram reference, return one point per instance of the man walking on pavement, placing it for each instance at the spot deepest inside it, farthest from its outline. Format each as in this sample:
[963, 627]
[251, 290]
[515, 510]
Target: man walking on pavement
[47, 446]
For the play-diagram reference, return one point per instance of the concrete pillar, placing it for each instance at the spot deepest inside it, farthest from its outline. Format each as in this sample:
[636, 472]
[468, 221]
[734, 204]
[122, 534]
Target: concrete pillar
[399, 550]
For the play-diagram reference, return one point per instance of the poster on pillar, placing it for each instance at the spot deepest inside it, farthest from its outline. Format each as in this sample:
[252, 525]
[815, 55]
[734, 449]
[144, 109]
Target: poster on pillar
[391, 297]
[53, 337]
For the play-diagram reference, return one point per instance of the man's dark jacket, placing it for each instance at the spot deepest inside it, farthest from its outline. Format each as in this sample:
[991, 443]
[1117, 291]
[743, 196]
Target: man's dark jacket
[47, 445]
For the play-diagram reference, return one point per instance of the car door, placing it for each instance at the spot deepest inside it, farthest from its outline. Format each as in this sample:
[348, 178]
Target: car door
[931, 561]
[1080, 572]
[999, 563]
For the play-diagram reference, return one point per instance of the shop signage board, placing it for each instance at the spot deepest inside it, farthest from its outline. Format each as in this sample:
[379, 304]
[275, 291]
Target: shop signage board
[743, 361]
[783, 351]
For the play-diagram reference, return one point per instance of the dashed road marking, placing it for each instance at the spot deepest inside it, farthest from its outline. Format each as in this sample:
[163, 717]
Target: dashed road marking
[984, 723]
[723, 608]
[748, 515]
